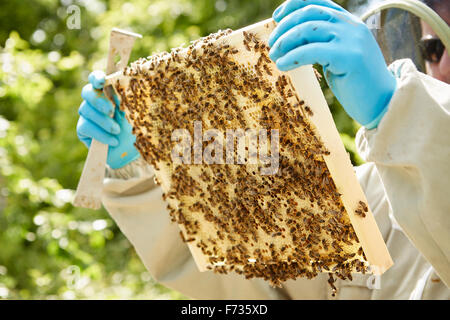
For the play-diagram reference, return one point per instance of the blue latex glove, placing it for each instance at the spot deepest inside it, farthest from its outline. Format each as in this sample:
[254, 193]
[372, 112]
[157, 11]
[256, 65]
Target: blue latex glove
[95, 122]
[320, 31]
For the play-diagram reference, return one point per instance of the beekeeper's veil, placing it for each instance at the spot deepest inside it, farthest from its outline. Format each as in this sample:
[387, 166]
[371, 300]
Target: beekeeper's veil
[396, 26]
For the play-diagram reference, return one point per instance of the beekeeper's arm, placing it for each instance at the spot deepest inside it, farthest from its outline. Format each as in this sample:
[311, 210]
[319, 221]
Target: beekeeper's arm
[405, 114]
[411, 150]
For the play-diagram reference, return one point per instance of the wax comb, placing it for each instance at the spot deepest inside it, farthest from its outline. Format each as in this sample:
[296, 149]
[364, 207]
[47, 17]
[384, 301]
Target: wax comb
[309, 216]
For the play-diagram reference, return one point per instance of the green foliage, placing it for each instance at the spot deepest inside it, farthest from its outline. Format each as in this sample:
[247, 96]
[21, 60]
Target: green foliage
[48, 248]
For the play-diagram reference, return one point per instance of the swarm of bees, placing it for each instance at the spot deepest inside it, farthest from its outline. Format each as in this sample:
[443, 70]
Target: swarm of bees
[276, 227]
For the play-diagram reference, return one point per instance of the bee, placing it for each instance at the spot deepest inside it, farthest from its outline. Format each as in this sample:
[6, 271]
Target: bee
[364, 206]
[267, 69]
[325, 244]
[309, 111]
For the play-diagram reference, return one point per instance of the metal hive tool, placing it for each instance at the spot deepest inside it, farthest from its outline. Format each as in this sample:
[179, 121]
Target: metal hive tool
[309, 217]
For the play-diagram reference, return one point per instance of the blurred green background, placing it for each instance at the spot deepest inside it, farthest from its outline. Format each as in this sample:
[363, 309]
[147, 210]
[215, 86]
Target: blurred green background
[48, 248]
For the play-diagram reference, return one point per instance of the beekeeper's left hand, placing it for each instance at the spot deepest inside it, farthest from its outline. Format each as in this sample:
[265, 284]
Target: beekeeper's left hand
[95, 123]
[320, 31]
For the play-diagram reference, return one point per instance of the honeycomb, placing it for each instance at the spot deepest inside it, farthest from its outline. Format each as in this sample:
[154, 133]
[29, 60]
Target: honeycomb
[234, 216]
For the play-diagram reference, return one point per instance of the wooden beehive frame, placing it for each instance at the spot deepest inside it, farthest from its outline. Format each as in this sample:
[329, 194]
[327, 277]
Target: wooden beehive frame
[303, 81]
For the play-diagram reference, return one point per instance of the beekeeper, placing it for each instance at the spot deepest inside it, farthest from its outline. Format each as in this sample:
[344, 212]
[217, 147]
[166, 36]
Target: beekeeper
[404, 138]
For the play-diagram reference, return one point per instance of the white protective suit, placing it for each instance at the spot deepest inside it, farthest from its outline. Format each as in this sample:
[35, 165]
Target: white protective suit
[407, 183]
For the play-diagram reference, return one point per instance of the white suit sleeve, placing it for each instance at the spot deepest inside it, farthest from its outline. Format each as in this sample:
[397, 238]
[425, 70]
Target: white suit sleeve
[135, 202]
[411, 150]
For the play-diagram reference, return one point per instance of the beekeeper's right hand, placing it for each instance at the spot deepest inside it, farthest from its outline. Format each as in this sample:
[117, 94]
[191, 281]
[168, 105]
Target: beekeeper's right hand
[320, 31]
[96, 123]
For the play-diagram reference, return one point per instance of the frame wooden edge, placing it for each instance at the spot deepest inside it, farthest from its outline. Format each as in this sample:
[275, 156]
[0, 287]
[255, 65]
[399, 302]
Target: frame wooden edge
[341, 169]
